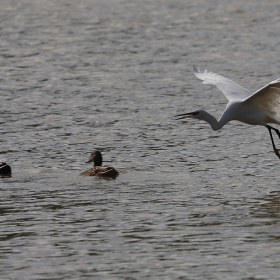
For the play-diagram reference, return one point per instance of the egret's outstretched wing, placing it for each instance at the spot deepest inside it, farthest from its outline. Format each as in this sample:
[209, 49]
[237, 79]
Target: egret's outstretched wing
[229, 88]
[267, 98]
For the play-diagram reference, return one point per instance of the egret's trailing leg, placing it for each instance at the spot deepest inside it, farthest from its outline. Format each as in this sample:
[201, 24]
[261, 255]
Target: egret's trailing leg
[276, 151]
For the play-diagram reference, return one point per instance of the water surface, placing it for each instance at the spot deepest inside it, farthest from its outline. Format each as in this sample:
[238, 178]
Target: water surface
[190, 203]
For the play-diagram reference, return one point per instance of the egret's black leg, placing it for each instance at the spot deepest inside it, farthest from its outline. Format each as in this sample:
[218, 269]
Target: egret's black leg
[276, 130]
[271, 137]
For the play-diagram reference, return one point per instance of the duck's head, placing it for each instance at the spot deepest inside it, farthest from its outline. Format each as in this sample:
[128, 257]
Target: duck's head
[96, 158]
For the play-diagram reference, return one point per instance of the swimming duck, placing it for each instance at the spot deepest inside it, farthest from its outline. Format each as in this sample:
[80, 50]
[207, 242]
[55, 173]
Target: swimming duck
[99, 170]
[5, 169]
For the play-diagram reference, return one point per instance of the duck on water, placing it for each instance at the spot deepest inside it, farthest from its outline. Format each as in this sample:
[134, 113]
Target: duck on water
[5, 169]
[98, 170]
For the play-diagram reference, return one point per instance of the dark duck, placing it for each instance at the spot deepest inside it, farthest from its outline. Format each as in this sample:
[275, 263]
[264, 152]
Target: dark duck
[5, 170]
[98, 170]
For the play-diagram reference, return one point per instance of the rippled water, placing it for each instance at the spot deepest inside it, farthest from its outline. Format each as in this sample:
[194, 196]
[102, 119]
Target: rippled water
[190, 203]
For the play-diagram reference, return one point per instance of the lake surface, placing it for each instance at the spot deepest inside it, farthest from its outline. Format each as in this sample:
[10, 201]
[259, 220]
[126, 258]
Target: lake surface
[190, 203]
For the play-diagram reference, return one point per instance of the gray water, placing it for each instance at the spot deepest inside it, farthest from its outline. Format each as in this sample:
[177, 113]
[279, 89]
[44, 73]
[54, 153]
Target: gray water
[190, 203]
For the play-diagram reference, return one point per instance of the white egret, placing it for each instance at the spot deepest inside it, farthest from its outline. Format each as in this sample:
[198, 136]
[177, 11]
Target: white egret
[259, 108]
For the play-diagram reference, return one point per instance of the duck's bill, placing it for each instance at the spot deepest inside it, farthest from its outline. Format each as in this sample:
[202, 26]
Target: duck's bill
[184, 116]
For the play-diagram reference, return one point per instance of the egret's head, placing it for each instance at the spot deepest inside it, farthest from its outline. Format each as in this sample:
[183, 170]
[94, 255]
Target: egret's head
[197, 114]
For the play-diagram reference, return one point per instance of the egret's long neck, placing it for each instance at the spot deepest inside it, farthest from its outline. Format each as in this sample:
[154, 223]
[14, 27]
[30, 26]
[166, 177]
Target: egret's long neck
[215, 124]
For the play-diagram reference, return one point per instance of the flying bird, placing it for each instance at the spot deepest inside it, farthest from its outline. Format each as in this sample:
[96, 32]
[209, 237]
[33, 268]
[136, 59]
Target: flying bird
[259, 108]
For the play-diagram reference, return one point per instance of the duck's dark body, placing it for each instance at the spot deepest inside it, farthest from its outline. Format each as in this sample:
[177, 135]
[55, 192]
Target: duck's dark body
[5, 170]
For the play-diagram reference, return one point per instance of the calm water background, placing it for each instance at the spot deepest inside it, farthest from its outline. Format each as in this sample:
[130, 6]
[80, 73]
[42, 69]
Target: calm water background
[190, 203]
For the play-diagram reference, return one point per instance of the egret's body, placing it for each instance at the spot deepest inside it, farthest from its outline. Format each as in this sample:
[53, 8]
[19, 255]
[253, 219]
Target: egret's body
[259, 108]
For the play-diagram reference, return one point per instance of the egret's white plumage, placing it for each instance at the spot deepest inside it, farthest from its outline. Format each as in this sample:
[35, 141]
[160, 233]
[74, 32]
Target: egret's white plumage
[258, 108]
[229, 88]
